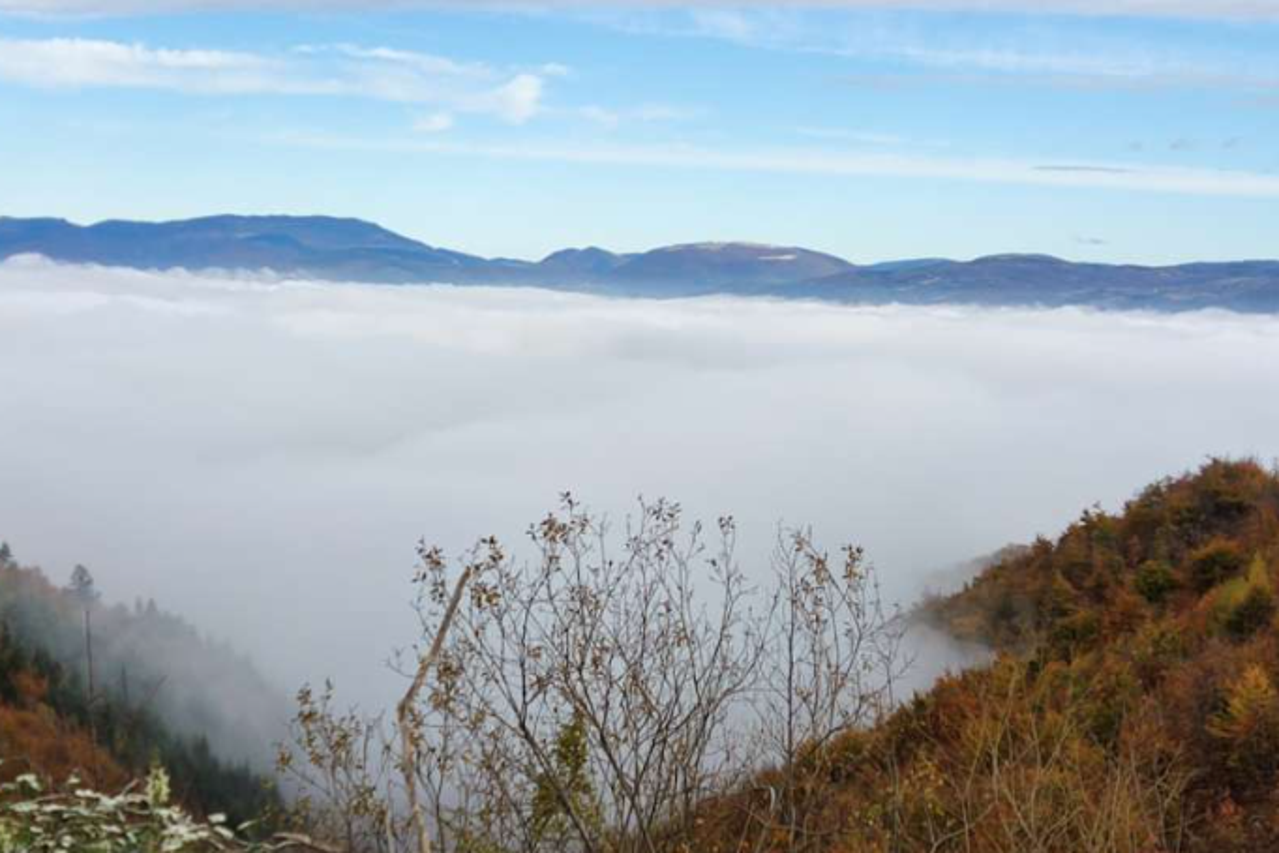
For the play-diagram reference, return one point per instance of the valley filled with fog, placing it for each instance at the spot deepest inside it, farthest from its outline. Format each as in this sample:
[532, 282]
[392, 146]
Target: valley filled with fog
[262, 456]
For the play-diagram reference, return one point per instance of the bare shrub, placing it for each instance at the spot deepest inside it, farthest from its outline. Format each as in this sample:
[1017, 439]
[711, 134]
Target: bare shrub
[595, 697]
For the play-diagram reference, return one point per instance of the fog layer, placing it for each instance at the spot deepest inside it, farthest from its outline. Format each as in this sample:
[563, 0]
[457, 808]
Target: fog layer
[263, 456]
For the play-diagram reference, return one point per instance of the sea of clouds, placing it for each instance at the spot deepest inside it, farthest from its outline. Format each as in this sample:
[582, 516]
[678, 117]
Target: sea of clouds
[262, 456]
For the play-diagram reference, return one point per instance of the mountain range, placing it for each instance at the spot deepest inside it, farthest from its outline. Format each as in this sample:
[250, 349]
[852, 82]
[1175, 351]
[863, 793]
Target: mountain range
[338, 249]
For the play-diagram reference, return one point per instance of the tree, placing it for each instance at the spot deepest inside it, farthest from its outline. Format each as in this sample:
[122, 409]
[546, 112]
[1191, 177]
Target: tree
[1155, 581]
[340, 763]
[643, 656]
[836, 654]
[1247, 729]
[82, 587]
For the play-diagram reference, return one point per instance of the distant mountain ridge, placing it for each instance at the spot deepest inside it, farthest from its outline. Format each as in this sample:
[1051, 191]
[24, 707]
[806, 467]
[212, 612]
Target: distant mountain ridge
[338, 249]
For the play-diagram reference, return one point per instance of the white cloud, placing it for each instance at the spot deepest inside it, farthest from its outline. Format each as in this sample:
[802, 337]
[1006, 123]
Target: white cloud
[1019, 53]
[646, 113]
[434, 123]
[1128, 177]
[867, 137]
[87, 62]
[339, 70]
[727, 24]
[601, 116]
[515, 102]
[237, 447]
[424, 62]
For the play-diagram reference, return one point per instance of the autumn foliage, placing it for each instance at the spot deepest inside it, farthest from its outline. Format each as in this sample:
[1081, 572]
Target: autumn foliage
[1134, 706]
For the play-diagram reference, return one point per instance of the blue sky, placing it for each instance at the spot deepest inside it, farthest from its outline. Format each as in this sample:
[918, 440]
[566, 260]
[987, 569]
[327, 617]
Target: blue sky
[1132, 130]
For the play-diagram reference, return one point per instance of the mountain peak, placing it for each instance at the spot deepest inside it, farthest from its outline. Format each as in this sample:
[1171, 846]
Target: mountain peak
[719, 246]
[1020, 257]
[591, 260]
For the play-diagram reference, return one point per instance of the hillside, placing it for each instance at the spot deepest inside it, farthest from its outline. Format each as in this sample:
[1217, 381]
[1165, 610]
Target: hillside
[146, 655]
[1249, 286]
[1133, 707]
[160, 694]
[337, 249]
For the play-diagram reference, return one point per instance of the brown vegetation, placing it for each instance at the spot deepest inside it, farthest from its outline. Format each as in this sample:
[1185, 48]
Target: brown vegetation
[34, 739]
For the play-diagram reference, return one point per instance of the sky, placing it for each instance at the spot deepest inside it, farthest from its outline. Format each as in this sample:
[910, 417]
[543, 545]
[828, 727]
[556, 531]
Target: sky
[1129, 131]
[262, 457]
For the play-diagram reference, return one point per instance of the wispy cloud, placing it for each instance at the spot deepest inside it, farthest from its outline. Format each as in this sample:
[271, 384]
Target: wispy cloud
[646, 113]
[85, 62]
[1188, 144]
[338, 70]
[1084, 169]
[1025, 53]
[1128, 177]
[866, 137]
[434, 123]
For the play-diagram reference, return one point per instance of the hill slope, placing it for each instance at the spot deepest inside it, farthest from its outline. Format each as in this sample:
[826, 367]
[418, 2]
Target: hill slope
[1251, 286]
[54, 725]
[321, 246]
[1134, 707]
[144, 657]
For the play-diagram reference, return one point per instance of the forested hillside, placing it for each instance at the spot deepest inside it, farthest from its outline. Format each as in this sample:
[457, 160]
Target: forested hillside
[1133, 707]
[147, 657]
[147, 703]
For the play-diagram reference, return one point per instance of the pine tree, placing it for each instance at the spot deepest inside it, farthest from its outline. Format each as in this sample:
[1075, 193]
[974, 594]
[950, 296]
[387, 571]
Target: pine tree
[82, 586]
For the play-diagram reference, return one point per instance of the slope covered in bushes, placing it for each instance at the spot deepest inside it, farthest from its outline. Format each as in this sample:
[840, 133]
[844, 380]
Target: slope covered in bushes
[1133, 707]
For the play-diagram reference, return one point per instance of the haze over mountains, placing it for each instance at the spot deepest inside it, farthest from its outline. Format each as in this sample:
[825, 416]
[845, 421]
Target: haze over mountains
[353, 250]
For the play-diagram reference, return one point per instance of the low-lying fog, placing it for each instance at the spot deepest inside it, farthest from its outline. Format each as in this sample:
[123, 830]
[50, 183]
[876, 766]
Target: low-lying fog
[262, 457]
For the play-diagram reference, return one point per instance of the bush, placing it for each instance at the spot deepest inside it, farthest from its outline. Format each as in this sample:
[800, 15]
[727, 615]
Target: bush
[35, 821]
[1156, 648]
[1073, 635]
[1213, 563]
[1252, 614]
[1155, 581]
[1248, 730]
[1245, 605]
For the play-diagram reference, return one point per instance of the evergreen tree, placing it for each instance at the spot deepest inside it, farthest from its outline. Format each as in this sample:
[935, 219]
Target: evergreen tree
[82, 586]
